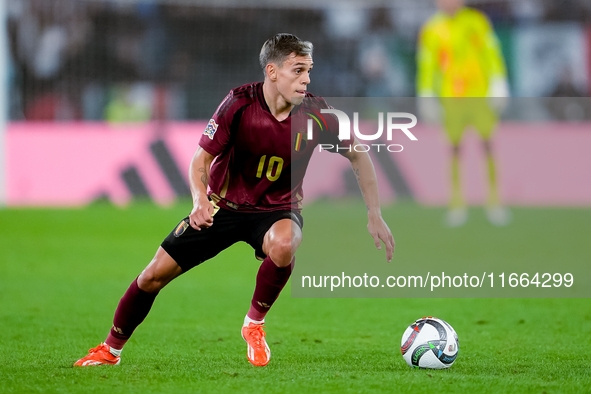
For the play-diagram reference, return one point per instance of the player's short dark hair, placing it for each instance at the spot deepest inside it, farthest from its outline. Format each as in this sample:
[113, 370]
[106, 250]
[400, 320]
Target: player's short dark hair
[277, 48]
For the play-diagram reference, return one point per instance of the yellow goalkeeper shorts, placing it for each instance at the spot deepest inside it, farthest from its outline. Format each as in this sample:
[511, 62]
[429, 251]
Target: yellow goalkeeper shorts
[461, 112]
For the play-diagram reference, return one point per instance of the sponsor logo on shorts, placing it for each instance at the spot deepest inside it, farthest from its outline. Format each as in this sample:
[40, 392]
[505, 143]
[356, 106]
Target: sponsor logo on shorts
[180, 229]
[211, 128]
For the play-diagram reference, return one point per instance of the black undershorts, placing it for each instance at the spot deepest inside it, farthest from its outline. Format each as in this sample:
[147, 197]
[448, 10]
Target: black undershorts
[189, 247]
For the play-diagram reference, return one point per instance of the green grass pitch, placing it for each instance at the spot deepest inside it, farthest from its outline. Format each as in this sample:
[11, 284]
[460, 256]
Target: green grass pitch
[62, 272]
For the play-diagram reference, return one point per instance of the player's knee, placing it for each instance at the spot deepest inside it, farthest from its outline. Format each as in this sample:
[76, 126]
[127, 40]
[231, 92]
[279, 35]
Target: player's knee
[149, 282]
[281, 252]
[487, 146]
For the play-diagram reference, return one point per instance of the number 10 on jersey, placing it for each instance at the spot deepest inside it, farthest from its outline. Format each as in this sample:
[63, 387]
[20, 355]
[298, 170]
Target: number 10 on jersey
[275, 165]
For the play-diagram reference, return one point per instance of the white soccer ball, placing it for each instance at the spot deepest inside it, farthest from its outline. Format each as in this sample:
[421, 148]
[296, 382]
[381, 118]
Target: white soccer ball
[430, 343]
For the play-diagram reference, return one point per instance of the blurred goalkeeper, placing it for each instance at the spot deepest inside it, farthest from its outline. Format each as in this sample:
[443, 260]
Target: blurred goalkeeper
[246, 180]
[462, 82]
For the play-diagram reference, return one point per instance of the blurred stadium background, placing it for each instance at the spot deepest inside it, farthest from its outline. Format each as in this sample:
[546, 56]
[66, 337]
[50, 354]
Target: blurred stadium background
[174, 59]
[87, 79]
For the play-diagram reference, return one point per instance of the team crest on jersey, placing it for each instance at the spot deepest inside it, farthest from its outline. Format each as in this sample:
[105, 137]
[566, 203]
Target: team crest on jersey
[180, 229]
[211, 128]
[300, 141]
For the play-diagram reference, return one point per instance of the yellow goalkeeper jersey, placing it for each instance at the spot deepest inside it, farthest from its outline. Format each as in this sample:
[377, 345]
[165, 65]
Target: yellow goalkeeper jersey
[458, 56]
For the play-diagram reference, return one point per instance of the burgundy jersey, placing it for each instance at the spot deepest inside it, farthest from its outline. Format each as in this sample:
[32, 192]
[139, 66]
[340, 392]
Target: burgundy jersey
[261, 162]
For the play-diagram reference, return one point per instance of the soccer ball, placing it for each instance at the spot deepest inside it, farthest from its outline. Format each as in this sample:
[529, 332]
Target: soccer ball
[430, 343]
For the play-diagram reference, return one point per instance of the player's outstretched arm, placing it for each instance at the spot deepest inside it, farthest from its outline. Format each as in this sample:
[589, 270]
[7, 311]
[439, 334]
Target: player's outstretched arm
[201, 214]
[367, 180]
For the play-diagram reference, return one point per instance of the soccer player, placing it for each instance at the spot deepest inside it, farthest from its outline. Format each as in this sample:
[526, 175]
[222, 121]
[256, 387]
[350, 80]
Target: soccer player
[246, 180]
[459, 60]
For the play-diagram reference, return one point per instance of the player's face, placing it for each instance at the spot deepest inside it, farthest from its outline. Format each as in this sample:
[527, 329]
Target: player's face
[450, 6]
[293, 78]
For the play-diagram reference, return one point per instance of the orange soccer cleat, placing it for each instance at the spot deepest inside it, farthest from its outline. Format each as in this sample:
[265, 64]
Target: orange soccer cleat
[99, 355]
[258, 352]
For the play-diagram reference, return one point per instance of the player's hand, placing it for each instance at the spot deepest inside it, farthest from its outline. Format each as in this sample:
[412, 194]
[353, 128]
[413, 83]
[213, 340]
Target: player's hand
[379, 230]
[202, 214]
[498, 94]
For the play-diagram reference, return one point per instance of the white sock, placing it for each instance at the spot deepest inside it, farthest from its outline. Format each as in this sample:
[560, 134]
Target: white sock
[115, 352]
[248, 320]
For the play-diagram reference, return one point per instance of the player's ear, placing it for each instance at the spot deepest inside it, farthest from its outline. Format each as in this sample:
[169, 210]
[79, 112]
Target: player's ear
[271, 71]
